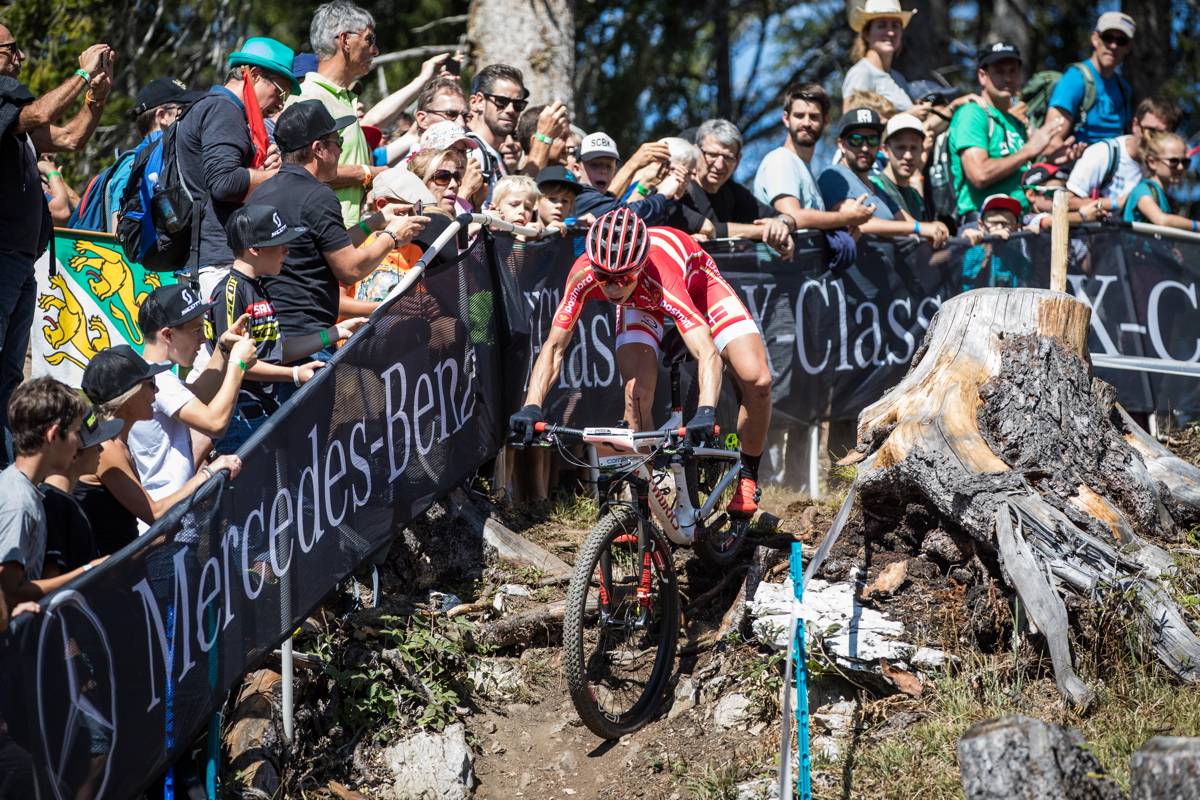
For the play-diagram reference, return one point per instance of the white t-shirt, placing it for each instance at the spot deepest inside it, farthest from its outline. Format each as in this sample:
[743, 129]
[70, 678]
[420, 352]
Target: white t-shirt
[865, 75]
[783, 173]
[162, 447]
[1090, 168]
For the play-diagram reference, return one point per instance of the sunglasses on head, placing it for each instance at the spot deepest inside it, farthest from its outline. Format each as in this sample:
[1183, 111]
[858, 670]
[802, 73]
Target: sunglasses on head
[1115, 38]
[443, 177]
[608, 279]
[859, 139]
[503, 102]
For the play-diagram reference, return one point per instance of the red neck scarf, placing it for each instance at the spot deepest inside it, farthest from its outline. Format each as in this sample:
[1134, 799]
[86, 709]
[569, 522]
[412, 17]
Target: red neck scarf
[258, 129]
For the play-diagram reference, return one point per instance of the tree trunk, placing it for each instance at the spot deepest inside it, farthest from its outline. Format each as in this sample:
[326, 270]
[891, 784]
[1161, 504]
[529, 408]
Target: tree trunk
[1018, 758]
[1002, 431]
[1149, 65]
[535, 36]
[1009, 25]
[1166, 768]
[926, 42]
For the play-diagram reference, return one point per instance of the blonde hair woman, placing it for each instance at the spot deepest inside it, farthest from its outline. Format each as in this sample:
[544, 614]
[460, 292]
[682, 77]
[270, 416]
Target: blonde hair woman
[880, 27]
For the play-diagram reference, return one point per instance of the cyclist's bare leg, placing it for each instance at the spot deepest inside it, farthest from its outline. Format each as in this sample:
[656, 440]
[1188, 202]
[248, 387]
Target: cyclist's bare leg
[638, 364]
[746, 358]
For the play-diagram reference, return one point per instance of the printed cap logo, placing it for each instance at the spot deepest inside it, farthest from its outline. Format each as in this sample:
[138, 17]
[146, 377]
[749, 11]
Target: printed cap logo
[864, 115]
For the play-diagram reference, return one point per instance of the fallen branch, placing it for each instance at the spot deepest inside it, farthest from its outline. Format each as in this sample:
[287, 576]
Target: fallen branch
[735, 618]
[393, 658]
[520, 628]
[714, 591]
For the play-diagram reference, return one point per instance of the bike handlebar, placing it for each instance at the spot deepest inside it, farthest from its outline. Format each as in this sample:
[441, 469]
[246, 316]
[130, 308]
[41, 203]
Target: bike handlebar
[546, 427]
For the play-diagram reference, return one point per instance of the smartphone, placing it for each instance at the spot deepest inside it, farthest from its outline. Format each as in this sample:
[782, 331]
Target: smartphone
[417, 208]
[453, 67]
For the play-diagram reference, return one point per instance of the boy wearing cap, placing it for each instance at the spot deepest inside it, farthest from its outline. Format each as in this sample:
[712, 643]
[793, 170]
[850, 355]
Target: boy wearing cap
[599, 159]
[988, 146]
[1110, 114]
[172, 321]
[559, 190]
[70, 543]
[1010, 267]
[45, 416]
[259, 241]
[903, 143]
[1039, 182]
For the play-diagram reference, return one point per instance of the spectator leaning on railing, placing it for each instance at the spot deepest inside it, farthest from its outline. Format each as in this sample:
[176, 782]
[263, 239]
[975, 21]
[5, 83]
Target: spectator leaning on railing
[26, 129]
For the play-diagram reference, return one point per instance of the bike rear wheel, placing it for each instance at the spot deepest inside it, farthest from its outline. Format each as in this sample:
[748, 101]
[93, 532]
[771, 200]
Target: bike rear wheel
[619, 649]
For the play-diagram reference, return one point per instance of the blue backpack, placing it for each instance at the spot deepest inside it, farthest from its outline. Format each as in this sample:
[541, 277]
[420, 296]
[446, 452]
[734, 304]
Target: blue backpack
[135, 227]
[93, 212]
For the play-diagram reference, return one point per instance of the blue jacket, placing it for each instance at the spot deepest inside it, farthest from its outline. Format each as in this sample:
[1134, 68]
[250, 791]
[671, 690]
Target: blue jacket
[654, 209]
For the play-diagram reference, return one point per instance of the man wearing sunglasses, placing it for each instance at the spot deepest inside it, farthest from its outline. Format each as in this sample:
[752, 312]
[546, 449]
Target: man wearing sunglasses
[498, 96]
[343, 36]
[651, 274]
[1111, 109]
[842, 184]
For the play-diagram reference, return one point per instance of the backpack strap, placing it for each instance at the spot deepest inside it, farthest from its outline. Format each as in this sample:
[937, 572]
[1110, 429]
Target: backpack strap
[194, 249]
[1114, 157]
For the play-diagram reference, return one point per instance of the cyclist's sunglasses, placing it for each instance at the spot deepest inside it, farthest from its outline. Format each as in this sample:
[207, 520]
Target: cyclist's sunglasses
[859, 139]
[443, 177]
[608, 279]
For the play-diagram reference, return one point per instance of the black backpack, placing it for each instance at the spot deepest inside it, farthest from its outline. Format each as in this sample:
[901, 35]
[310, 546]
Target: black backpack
[164, 245]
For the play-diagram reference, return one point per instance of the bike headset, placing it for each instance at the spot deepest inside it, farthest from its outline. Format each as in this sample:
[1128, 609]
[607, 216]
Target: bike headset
[618, 245]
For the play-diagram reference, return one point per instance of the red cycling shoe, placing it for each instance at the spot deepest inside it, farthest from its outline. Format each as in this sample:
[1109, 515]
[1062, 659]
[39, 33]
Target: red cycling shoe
[745, 499]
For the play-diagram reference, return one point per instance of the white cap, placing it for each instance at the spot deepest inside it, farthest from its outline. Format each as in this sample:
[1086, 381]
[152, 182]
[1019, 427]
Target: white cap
[595, 145]
[903, 122]
[1116, 21]
[400, 184]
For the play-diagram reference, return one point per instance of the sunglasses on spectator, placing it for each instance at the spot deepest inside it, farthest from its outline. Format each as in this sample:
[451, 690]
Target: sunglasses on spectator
[1173, 163]
[503, 102]
[12, 46]
[608, 279]
[443, 177]
[859, 139]
[338, 141]
[368, 37]
[451, 115]
[711, 158]
[1115, 38]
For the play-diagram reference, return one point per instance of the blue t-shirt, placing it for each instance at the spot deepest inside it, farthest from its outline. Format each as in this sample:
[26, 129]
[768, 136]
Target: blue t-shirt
[1109, 117]
[1146, 187]
[839, 183]
[116, 189]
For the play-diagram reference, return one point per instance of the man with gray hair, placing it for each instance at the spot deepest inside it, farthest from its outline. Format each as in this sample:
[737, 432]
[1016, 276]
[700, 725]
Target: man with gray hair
[730, 206]
[343, 36]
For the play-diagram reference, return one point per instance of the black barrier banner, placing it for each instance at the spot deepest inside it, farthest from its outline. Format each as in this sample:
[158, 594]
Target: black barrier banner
[105, 687]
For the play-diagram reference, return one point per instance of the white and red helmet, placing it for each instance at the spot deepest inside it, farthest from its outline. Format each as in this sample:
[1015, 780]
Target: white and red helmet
[618, 243]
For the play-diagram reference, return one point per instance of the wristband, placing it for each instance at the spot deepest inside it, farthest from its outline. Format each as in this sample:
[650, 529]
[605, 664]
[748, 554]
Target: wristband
[367, 175]
[242, 364]
[83, 73]
[395, 238]
[643, 190]
[86, 567]
[50, 175]
[916, 227]
[1194, 226]
[296, 375]
[221, 346]
[93, 102]
[324, 337]
[541, 137]
[362, 225]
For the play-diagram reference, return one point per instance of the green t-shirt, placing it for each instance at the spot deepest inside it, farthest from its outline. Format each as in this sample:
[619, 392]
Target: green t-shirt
[906, 197]
[1002, 136]
[340, 103]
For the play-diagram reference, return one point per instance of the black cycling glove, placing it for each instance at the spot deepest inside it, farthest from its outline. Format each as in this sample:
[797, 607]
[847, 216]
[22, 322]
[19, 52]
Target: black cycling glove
[701, 427]
[523, 421]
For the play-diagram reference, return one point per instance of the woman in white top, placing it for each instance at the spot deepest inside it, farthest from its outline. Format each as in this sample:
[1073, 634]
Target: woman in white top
[880, 26]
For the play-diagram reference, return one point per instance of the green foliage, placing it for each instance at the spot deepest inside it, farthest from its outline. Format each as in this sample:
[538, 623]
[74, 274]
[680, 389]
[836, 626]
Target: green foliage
[762, 676]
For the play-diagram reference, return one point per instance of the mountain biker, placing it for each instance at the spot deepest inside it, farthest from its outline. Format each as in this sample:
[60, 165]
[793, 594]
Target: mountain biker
[651, 273]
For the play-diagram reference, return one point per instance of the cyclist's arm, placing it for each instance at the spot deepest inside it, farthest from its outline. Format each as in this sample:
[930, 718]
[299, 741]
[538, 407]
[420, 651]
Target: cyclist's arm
[709, 368]
[549, 362]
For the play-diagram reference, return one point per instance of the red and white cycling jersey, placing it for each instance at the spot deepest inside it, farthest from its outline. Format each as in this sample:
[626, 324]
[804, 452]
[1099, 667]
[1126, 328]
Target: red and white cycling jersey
[679, 280]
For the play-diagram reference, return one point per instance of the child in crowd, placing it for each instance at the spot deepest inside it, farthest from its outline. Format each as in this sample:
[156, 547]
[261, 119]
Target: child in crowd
[556, 206]
[1009, 265]
[259, 243]
[1164, 160]
[515, 199]
[1040, 182]
[70, 543]
[45, 417]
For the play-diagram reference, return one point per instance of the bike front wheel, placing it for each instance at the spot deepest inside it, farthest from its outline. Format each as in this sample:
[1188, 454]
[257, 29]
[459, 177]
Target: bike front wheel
[621, 626]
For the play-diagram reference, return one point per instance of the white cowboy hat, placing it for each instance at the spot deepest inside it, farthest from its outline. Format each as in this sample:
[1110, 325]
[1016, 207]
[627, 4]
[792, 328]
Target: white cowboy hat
[873, 9]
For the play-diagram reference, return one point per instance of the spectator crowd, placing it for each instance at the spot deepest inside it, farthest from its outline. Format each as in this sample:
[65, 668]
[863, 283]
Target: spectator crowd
[311, 208]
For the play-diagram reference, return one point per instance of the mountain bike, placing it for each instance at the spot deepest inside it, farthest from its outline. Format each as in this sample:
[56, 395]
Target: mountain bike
[623, 616]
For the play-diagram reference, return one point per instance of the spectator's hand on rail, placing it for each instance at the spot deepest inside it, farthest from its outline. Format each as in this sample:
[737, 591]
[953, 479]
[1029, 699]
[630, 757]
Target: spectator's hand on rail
[407, 228]
[28, 607]
[708, 231]
[346, 328]
[305, 371]
[858, 210]
[936, 233]
[231, 463]
[776, 234]
[973, 235]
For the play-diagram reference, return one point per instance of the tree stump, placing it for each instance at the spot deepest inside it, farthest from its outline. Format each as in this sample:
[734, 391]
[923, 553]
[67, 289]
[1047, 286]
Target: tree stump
[1001, 430]
[1166, 768]
[1018, 758]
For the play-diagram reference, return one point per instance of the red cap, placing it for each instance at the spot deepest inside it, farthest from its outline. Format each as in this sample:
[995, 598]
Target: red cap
[374, 135]
[1004, 202]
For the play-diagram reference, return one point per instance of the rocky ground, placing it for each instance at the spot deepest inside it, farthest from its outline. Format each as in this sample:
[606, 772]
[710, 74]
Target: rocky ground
[937, 652]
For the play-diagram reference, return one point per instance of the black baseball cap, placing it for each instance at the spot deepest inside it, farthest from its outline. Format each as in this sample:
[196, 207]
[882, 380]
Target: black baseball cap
[303, 123]
[180, 303]
[161, 91]
[92, 432]
[998, 51]
[860, 118]
[559, 175]
[258, 226]
[114, 371]
[1040, 173]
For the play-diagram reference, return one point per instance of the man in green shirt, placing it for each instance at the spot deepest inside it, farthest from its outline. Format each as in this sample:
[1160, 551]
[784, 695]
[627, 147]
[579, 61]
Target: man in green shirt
[988, 147]
[343, 36]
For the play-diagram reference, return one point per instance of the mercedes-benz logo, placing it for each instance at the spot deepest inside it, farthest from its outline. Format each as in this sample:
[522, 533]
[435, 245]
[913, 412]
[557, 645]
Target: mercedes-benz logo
[73, 700]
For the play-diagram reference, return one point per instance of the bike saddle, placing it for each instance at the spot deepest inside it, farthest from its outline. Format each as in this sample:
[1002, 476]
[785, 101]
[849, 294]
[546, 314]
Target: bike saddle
[674, 350]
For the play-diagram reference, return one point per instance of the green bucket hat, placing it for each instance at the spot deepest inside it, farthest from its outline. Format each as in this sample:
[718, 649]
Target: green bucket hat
[268, 54]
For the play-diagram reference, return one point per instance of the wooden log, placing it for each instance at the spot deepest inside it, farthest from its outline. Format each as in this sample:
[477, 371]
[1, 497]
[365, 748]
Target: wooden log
[1001, 410]
[1165, 768]
[1018, 758]
[1060, 239]
[254, 735]
[502, 544]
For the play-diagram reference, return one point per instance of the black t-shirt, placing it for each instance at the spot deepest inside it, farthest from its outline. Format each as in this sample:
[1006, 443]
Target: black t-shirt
[69, 540]
[305, 291]
[731, 203]
[24, 216]
[239, 294]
